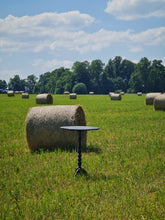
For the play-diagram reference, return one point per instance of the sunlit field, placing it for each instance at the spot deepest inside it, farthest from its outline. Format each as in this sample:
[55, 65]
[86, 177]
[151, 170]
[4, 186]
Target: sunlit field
[124, 161]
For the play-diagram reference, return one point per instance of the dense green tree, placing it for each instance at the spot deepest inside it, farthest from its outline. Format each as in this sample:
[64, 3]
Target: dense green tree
[80, 88]
[81, 73]
[156, 78]
[16, 84]
[30, 83]
[3, 86]
[95, 71]
[117, 66]
[108, 70]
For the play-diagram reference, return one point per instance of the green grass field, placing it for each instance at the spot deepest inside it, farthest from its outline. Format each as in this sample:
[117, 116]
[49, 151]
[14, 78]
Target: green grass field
[125, 162]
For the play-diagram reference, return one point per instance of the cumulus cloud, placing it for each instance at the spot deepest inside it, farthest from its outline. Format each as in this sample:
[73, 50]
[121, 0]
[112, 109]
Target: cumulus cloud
[64, 32]
[134, 9]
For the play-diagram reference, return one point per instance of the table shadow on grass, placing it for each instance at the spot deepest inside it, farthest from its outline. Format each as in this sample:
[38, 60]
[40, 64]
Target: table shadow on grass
[89, 149]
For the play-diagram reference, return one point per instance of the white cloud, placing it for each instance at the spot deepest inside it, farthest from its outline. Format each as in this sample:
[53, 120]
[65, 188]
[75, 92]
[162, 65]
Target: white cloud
[134, 9]
[67, 34]
[49, 65]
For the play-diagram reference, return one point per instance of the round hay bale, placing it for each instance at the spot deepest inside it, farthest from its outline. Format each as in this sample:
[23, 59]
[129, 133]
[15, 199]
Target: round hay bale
[66, 93]
[10, 93]
[159, 102]
[122, 93]
[111, 93]
[150, 97]
[25, 95]
[115, 96]
[139, 93]
[44, 99]
[43, 127]
[73, 96]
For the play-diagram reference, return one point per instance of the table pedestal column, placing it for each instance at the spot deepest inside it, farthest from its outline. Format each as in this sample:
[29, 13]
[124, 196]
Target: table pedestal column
[78, 169]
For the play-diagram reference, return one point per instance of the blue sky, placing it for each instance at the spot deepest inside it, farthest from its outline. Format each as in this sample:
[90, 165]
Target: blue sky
[37, 36]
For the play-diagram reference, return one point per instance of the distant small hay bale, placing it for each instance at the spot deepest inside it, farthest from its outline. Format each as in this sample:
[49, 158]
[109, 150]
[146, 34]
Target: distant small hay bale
[111, 93]
[25, 95]
[139, 93]
[73, 96]
[114, 96]
[122, 93]
[159, 102]
[44, 99]
[10, 93]
[43, 127]
[66, 93]
[91, 93]
[150, 97]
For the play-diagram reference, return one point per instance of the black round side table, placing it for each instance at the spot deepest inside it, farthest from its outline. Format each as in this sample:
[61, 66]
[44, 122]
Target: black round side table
[79, 129]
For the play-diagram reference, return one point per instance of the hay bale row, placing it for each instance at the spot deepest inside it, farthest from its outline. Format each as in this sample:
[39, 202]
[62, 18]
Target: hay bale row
[150, 97]
[10, 93]
[44, 99]
[19, 92]
[159, 102]
[73, 96]
[43, 126]
[114, 96]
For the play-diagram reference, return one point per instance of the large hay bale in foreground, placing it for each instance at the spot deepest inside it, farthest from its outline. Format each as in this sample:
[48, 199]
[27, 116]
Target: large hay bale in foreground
[25, 95]
[150, 97]
[43, 126]
[44, 99]
[73, 96]
[10, 93]
[114, 96]
[159, 102]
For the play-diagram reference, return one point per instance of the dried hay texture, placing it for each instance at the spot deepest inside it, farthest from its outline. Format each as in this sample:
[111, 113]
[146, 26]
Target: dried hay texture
[114, 96]
[43, 127]
[25, 95]
[44, 99]
[150, 98]
[10, 93]
[139, 93]
[66, 92]
[159, 102]
[122, 93]
[73, 96]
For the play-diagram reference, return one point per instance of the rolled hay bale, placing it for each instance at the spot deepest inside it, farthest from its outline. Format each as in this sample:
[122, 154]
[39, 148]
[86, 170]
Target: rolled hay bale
[159, 102]
[139, 93]
[73, 96]
[150, 97]
[114, 96]
[10, 93]
[66, 93]
[44, 99]
[25, 95]
[122, 93]
[43, 127]
[91, 93]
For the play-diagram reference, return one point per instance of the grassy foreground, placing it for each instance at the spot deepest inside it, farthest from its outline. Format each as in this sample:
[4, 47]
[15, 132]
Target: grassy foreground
[125, 162]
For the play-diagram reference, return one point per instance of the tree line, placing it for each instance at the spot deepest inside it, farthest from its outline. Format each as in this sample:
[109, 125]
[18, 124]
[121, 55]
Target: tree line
[117, 75]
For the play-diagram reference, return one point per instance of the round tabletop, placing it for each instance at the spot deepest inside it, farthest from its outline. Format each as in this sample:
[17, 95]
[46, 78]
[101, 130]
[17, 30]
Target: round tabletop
[79, 128]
